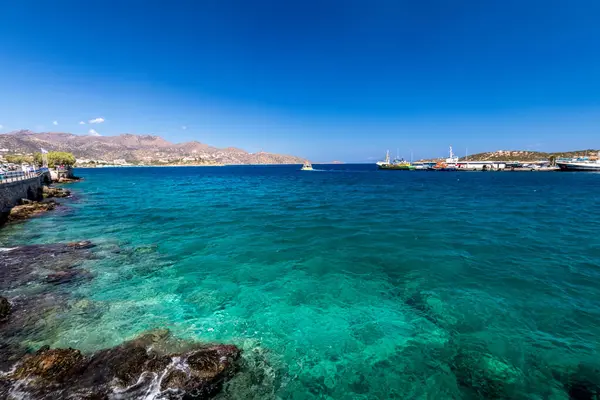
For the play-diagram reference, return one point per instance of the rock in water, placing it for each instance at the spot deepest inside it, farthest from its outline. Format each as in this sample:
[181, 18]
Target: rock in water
[50, 192]
[4, 308]
[19, 213]
[130, 370]
[202, 372]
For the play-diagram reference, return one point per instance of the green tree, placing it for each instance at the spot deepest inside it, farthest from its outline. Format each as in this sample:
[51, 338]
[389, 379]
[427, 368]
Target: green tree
[17, 158]
[56, 158]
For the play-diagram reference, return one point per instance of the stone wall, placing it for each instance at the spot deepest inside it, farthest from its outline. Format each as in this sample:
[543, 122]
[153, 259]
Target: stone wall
[12, 192]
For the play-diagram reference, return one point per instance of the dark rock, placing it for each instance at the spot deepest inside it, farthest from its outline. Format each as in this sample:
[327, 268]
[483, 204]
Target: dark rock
[583, 383]
[208, 368]
[5, 308]
[68, 276]
[125, 363]
[26, 201]
[10, 353]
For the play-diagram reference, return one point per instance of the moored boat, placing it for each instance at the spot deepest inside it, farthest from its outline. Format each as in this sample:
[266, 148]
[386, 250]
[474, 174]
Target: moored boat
[397, 164]
[580, 164]
[450, 164]
[589, 166]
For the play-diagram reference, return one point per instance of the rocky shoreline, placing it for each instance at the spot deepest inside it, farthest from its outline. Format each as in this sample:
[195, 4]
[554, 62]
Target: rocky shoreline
[35, 289]
[153, 365]
[30, 208]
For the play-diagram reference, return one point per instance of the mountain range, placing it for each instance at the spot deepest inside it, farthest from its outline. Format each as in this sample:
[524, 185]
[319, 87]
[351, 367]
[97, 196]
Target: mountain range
[148, 149]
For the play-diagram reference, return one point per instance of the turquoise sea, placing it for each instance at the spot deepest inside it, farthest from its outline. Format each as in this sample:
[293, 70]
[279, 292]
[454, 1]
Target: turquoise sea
[345, 283]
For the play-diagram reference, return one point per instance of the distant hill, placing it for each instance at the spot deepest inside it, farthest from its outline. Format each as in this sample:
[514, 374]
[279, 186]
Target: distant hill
[147, 149]
[525, 155]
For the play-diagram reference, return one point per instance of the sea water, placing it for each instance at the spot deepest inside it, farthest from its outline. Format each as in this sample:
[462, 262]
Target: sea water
[346, 283]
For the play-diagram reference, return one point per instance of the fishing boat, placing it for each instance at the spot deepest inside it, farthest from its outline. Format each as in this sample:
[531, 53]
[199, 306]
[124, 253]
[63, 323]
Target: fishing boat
[307, 166]
[398, 164]
[386, 161]
[580, 164]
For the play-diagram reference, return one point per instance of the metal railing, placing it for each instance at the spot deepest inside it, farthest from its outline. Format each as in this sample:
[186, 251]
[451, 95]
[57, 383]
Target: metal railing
[15, 176]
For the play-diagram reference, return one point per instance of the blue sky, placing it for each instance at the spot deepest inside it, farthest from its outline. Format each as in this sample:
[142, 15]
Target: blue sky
[327, 80]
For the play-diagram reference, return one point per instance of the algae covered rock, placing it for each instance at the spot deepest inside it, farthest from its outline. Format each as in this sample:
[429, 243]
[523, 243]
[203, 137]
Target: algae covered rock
[50, 192]
[54, 365]
[5, 308]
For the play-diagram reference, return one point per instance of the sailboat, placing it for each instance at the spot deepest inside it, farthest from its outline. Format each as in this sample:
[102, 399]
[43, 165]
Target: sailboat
[307, 166]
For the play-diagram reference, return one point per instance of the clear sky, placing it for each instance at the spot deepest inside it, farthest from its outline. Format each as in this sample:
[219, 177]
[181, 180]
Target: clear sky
[328, 80]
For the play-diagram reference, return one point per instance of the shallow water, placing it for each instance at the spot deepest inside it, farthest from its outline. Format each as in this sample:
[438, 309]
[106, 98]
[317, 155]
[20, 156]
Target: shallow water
[349, 283]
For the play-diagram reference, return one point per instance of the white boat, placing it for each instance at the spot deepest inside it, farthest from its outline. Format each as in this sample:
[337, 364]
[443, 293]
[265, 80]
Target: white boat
[386, 161]
[453, 159]
[307, 166]
[579, 164]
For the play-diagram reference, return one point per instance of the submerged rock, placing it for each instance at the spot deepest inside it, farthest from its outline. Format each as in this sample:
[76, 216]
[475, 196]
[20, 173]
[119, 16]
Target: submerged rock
[583, 383]
[130, 370]
[485, 375]
[25, 264]
[69, 276]
[5, 308]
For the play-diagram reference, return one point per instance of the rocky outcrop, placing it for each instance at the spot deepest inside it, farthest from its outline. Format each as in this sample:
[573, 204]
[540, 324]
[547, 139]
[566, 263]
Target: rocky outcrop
[5, 308]
[129, 370]
[51, 192]
[68, 180]
[30, 209]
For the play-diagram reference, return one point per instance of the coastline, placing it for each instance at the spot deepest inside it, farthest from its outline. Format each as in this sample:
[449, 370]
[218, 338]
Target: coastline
[187, 165]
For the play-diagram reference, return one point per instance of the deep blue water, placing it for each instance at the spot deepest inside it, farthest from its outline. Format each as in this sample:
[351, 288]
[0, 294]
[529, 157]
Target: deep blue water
[346, 283]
